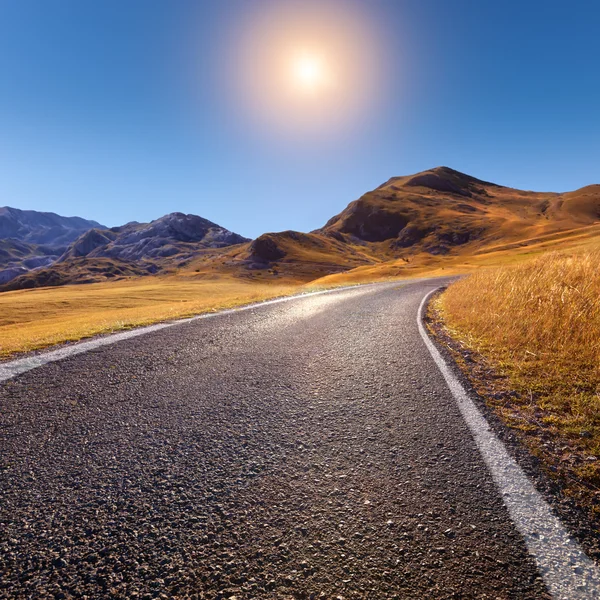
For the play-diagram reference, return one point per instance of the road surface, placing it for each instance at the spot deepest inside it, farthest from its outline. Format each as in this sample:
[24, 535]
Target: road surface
[306, 449]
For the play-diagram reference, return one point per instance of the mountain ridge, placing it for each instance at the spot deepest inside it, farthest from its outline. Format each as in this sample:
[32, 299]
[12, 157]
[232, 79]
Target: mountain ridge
[42, 227]
[438, 212]
[133, 249]
[435, 213]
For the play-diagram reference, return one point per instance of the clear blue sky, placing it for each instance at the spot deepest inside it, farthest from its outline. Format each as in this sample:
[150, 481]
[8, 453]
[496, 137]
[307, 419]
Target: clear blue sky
[116, 110]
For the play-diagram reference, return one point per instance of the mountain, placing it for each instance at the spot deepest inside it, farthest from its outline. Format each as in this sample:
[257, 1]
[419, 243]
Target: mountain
[100, 253]
[79, 270]
[31, 240]
[305, 254]
[171, 235]
[410, 220]
[18, 257]
[35, 227]
[439, 212]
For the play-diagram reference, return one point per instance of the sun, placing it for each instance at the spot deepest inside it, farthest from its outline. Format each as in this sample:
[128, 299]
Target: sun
[304, 69]
[309, 73]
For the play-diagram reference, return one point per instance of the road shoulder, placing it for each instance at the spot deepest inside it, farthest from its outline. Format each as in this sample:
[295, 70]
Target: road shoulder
[480, 382]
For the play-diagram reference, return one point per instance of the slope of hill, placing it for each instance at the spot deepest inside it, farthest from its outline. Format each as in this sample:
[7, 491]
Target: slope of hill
[441, 211]
[17, 257]
[303, 255]
[16, 252]
[168, 236]
[414, 222]
[78, 270]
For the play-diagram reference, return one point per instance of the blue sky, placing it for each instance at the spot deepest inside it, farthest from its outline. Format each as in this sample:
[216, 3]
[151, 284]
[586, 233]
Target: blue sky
[118, 111]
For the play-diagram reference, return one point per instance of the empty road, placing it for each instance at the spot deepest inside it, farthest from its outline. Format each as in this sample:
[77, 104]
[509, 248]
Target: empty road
[303, 449]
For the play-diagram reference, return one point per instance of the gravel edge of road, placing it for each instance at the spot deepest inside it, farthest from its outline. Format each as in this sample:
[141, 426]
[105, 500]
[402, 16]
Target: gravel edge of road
[575, 518]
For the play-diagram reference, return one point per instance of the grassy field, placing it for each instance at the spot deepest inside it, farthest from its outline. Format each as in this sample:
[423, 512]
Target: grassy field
[33, 319]
[538, 325]
[428, 265]
[38, 318]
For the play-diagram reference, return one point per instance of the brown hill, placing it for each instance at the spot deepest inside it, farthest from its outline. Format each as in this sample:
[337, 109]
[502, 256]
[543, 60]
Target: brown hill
[304, 254]
[288, 255]
[440, 212]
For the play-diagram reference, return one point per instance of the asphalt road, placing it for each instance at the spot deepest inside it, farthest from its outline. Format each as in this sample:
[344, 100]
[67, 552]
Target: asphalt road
[308, 449]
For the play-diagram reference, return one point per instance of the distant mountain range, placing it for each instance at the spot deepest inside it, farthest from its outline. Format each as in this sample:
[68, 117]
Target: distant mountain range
[436, 213]
[42, 228]
[31, 239]
[175, 234]
[34, 244]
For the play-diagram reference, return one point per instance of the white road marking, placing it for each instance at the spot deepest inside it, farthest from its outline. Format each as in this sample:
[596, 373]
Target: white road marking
[13, 368]
[567, 571]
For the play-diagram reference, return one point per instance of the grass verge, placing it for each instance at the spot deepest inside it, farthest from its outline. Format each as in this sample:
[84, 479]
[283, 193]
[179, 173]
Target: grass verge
[531, 340]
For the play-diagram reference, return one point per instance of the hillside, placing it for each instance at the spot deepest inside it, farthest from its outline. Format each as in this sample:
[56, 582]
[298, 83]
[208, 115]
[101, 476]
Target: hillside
[18, 257]
[171, 235]
[441, 211]
[35, 227]
[416, 222]
[301, 256]
[74, 272]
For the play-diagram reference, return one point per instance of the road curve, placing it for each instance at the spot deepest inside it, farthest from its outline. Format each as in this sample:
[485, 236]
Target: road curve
[306, 449]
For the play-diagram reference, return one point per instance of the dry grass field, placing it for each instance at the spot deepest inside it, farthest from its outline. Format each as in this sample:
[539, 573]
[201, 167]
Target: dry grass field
[38, 318]
[538, 324]
[34, 319]
[427, 265]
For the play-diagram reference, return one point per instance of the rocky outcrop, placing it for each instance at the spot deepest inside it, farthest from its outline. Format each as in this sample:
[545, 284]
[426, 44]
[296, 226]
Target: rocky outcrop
[370, 223]
[264, 249]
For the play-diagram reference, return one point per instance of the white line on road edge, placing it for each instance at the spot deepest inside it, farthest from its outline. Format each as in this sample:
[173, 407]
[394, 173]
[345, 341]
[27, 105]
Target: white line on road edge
[13, 368]
[568, 573]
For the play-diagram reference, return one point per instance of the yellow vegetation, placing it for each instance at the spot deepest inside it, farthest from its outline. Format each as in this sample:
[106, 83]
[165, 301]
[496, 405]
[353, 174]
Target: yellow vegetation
[428, 265]
[32, 319]
[539, 324]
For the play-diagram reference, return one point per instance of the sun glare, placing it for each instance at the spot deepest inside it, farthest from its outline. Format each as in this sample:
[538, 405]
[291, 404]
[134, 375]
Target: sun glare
[305, 68]
[309, 73]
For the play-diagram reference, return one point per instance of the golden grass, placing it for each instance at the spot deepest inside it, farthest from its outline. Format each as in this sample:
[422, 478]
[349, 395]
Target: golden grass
[427, 265]
[538, 323]
[34, 319]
